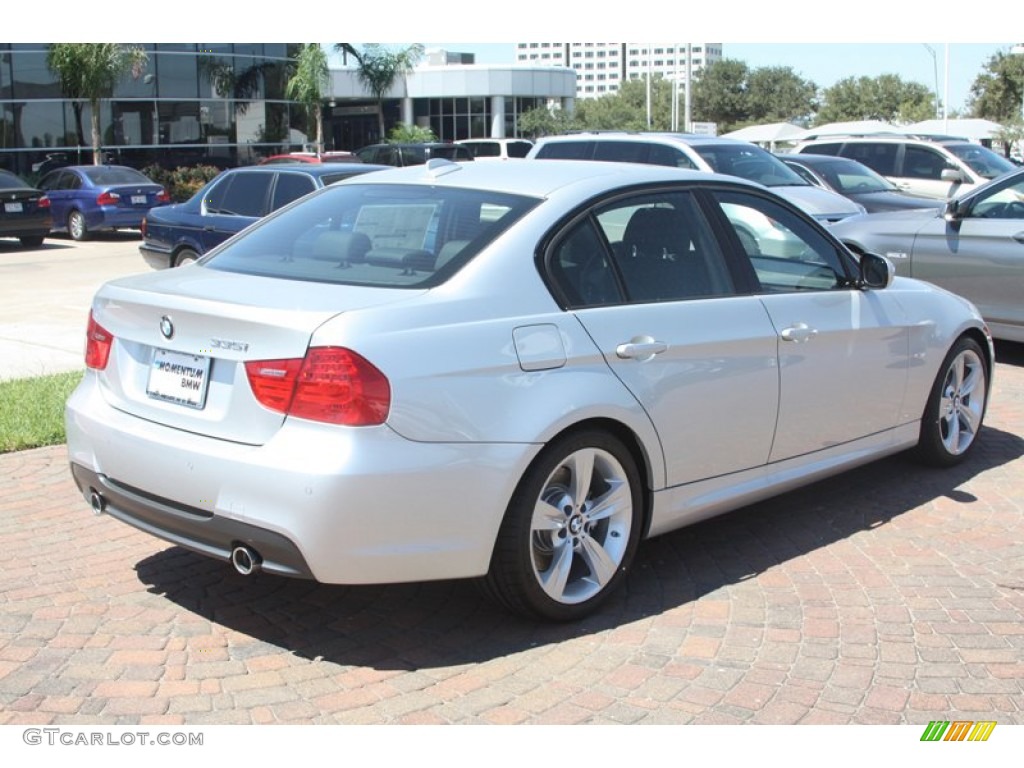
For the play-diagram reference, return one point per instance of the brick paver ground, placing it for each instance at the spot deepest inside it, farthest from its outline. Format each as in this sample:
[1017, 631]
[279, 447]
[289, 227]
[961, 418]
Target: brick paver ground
[890, 594]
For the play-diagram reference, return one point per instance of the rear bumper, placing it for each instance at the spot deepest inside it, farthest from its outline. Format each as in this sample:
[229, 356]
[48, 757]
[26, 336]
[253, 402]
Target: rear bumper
[189, 527]
[155, 257]
[339, 505]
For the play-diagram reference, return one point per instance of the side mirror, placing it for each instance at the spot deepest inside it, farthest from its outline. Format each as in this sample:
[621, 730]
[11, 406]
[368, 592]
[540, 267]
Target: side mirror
[876, 271]
[951, 210]
[952, 175]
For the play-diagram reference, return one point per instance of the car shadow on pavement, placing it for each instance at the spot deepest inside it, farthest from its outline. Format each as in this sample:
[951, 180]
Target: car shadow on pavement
[440, 624]
[1010, 353]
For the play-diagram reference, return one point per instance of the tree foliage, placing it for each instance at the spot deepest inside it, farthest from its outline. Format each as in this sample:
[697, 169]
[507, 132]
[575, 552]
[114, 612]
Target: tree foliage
[404, 133]
[997, 93]
[378, 68]
[87, 73]
[887, 97]
[310, 78]
[731, 94]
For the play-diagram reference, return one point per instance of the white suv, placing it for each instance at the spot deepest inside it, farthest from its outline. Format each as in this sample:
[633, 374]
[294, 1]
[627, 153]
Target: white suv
[497, 149]
[937, 168]
[701, 153]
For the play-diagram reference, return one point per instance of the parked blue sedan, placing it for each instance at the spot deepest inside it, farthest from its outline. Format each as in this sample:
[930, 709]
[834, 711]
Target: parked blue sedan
[175, 235]
[93, 198]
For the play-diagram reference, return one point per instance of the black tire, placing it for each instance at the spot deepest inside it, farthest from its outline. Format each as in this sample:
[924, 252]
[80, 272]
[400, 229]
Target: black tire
[77, 228]
[31, 241]
[953, 417]
[185, 256]
[560, 553]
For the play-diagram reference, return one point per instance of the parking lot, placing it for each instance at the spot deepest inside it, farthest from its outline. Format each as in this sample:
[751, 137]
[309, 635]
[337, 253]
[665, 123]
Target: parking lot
[892, 594]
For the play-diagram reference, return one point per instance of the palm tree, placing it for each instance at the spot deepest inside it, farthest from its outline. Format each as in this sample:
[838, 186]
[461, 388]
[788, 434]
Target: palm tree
[379, 68]
[307, 84]
[88, 72]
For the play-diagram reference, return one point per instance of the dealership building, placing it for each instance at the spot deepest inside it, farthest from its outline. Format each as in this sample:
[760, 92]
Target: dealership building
[225, 104]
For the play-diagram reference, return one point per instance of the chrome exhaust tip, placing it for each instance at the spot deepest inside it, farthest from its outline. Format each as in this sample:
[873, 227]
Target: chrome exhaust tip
[245, 560]
[97, 502]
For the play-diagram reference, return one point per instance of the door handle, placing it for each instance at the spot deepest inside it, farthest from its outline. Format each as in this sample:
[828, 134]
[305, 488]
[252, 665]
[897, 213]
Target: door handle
[640, 348]
[800, 332]
[1019, 237]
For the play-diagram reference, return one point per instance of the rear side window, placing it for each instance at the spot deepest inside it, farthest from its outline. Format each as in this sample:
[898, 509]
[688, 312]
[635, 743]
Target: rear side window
[518, 148]
[485, 149]
[566, 150]
[289, 187]
[879, 157]
[621, 151]
[825, 149]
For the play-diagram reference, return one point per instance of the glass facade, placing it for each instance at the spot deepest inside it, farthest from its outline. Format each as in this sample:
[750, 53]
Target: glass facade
[221, 104]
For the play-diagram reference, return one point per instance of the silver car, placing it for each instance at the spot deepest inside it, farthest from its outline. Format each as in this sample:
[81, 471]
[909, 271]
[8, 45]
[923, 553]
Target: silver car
[513, 372]
[974, 246]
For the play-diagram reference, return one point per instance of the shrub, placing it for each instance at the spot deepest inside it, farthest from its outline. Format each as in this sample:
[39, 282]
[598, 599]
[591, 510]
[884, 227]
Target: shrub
[183, 181]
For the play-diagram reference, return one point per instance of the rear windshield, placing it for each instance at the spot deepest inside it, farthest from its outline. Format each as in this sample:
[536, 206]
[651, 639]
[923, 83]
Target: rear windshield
[394, 236]
[100, 174]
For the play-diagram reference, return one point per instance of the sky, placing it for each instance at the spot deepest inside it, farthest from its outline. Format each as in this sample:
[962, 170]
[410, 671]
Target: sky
[826, 64]
[868, 38]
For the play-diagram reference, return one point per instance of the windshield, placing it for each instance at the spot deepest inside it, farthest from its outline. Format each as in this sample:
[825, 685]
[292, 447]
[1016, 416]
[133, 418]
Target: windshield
[852, 178]
[10, 181]
[981, 160]
[750, 162]
[393, 236]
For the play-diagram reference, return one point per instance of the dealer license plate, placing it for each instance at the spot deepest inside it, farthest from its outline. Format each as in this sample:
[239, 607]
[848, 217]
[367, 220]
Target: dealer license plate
[179, 378]
[13, 207]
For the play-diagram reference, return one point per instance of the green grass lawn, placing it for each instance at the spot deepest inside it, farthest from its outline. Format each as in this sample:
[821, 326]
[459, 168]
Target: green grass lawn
[32, 410]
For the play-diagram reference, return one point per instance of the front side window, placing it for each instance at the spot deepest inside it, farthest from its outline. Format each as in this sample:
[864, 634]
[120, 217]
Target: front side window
[924, 163]
[786, 252]
[1004, 202]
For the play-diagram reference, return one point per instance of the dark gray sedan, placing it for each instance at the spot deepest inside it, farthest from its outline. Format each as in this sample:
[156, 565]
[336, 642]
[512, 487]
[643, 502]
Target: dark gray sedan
[973, 246]
[856, 181]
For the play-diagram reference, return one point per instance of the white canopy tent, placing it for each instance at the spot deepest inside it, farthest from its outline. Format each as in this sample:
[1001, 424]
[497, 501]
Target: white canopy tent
[853, 128]
[974, 129]
[766, 134]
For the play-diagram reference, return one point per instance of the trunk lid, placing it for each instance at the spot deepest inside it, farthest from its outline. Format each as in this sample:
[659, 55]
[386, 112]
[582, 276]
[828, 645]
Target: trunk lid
[182, 338]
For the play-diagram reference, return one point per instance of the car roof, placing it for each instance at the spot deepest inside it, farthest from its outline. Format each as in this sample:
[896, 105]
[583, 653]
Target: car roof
[310, 169]
[890, 138]
[541, 179]
[689, 139]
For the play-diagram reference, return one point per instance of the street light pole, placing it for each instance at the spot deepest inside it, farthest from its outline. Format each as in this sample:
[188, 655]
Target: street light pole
[935, 68]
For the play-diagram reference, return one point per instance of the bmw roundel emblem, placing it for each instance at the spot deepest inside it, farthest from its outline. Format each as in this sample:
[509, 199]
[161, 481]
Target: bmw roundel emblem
[166, 327]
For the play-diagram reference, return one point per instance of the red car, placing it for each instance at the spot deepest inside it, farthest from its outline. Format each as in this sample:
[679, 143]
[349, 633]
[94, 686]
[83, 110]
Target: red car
[310, 157]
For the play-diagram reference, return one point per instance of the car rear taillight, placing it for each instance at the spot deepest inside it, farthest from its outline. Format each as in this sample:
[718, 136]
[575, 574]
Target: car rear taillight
[330, 384]
[108, 198]
[98, 341]
[163, 197]
[43, 202]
